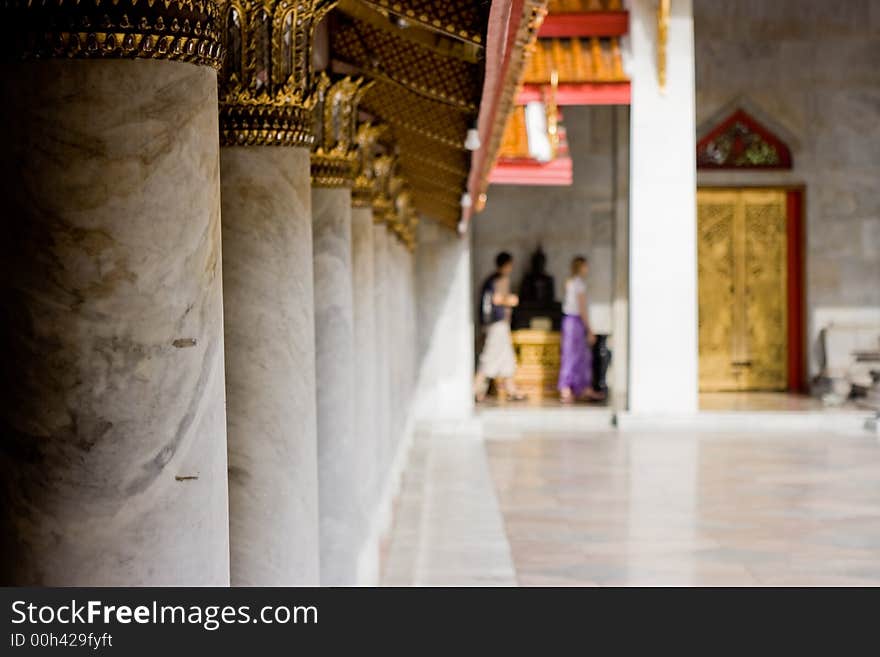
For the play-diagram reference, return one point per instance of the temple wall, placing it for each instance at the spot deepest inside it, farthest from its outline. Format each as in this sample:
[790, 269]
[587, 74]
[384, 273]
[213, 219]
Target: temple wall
[810, 67]
[566, 221]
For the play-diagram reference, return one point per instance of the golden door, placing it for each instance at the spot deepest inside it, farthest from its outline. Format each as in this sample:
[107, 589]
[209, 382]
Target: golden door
[742, 262]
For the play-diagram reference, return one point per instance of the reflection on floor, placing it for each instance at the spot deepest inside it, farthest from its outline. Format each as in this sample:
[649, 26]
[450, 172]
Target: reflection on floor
[448, 529]
[493, 401]
[765, 401]
[641, 509]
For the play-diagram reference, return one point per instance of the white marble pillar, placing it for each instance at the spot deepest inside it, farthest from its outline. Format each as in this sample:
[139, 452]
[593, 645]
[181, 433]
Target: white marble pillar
[382, 296]
[663, 260]
[365, 395]
[411, 326]
[618, 376]
[405, 351]
[113, 457]
[396, 333]
[445, 333]
[270, 365]
[341, 508]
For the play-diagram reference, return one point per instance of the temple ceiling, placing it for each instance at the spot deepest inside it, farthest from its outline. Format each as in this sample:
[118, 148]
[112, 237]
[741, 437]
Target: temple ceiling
[426, 58]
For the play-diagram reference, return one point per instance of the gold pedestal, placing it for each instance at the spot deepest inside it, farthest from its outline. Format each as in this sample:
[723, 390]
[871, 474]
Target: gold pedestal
[537, 356]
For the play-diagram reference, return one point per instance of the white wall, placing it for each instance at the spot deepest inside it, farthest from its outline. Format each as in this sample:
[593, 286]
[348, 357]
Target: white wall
[809, 70]
[445, 351]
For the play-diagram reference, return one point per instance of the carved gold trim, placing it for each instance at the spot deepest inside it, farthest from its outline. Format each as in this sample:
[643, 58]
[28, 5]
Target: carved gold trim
[662, 41]
[335, 155]
[266, 77]
[402, 220]
[366, 183]
[384, 167]
[176, 30]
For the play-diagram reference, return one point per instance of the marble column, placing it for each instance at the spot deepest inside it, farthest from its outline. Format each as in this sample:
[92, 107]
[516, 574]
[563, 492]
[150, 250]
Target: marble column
[340, 504]
[381, 300]
[270, 365]
[366, 395]
[618, 376]
[113, 455]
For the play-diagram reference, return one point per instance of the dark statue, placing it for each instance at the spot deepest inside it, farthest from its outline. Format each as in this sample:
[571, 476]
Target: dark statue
[537, 295]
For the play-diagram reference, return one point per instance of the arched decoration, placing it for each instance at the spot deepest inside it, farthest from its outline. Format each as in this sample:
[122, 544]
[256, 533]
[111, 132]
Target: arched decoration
[284, 32]
[741, 142]
[335, 155]
[233, 64]
[261, 47]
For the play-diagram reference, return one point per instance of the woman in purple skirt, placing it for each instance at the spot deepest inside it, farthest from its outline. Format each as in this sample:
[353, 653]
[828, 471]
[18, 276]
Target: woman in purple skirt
[576, 369]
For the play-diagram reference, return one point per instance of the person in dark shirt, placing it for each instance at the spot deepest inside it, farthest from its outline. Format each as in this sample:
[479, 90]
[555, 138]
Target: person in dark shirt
[497, 360]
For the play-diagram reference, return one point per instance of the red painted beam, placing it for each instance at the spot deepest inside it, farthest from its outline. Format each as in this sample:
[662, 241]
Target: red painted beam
[504, 20]
[797, 380]
[530, 172]
[580, 93]
[587, 24]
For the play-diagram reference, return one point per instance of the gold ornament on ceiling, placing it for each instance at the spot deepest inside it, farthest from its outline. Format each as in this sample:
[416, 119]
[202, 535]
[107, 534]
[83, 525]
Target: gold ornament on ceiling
[175, 30]
[266, 76]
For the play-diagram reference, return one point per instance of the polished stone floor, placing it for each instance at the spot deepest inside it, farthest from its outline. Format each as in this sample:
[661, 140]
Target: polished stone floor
[626, 508]
[766, 401]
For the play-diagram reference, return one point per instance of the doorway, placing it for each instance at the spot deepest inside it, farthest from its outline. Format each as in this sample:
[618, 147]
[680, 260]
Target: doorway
[750, 256]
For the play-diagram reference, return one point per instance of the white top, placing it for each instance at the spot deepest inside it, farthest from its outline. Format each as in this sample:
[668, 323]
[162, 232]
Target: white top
[574, 287]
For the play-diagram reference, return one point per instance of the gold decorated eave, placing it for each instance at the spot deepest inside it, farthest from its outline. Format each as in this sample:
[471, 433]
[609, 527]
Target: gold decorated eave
[438, 208]
[433, 120]
[177, 30]
[454, 166]
[437, 187]
[383, 53]
[426, 58]
[438, 42]
[431, 175]
[460, 19]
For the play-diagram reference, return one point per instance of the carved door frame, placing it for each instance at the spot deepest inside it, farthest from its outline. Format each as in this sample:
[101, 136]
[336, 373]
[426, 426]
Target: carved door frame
[795, 268]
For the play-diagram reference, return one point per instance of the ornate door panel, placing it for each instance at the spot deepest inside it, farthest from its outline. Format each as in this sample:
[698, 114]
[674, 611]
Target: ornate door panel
[715, 258]
[742, 254]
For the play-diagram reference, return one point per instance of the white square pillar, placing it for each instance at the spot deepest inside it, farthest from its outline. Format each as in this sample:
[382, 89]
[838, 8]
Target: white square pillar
[663, 260]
